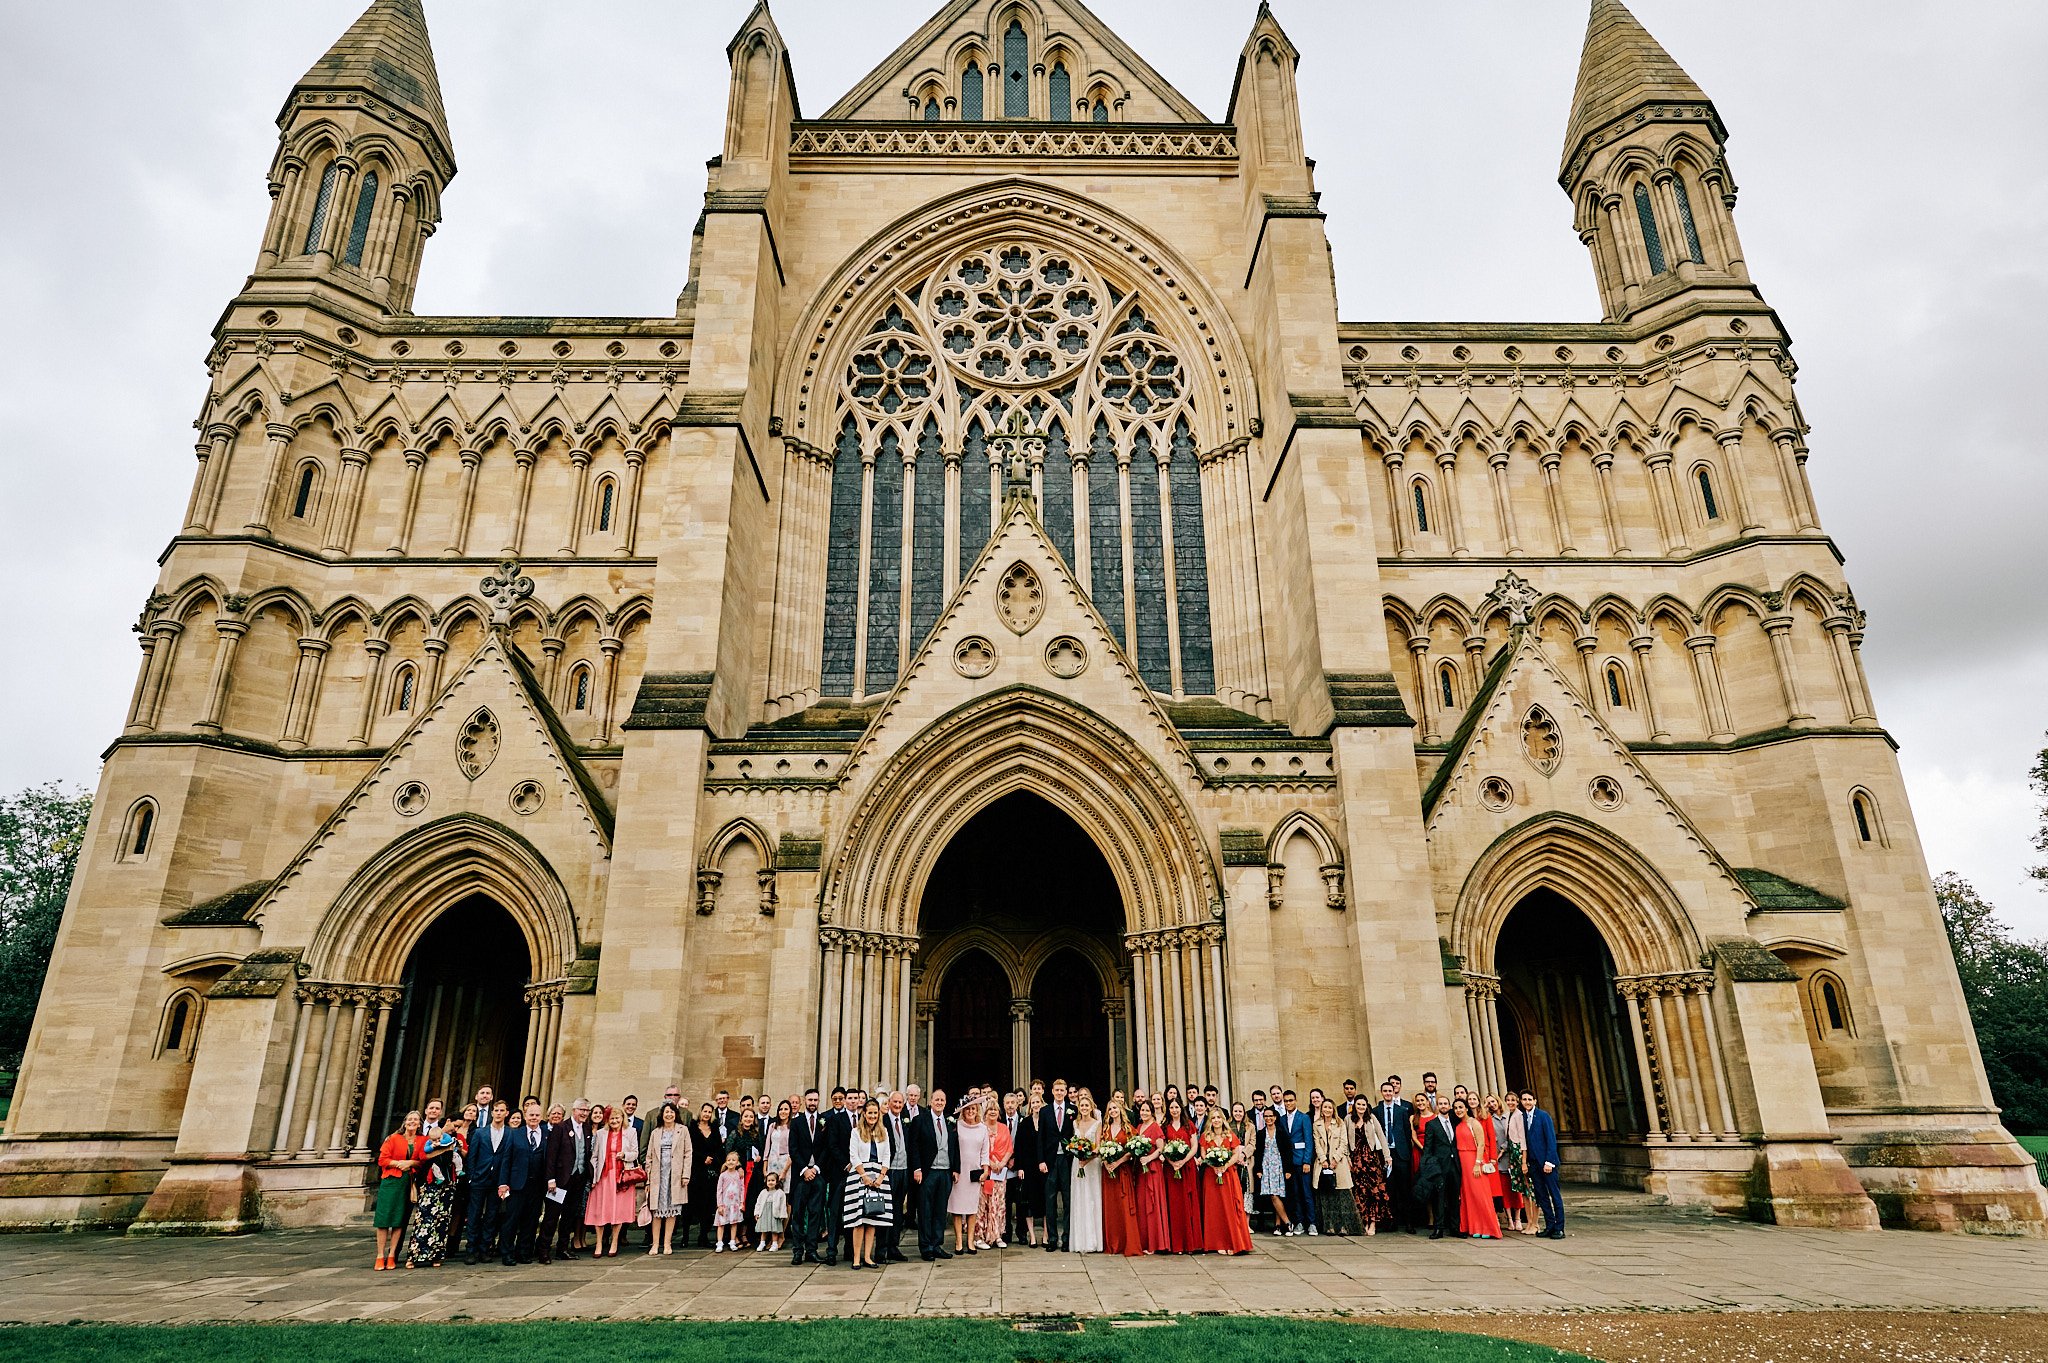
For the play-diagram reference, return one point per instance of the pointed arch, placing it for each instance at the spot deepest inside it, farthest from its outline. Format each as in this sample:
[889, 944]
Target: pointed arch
[1310, 827]
[1029, 740]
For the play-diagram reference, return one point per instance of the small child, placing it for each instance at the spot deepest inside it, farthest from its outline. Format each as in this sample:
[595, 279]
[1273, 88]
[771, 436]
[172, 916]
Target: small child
[771, 1212]
[732, 1203]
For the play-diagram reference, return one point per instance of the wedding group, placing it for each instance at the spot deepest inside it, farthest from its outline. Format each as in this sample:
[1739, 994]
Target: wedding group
[874, 1176]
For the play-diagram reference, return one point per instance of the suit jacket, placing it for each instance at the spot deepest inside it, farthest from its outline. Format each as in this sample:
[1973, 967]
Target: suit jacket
[1051, 1137]
[1439, 1158]
[1399, 1125]
[519, 1164]
[921, 1137]
[725, 1123]
[1024, 1144]
[1297, 1139]
[1542, 1141]
[837, 1138]
[485, 1153]
[805, 1150]
[561, 1151]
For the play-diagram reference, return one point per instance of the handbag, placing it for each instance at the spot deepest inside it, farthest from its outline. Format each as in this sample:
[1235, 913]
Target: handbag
[1489, 1167]
[632, 1178]
[874, 1205]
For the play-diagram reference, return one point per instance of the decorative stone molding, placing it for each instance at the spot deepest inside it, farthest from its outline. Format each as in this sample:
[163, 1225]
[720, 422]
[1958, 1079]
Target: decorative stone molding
[1121, 141]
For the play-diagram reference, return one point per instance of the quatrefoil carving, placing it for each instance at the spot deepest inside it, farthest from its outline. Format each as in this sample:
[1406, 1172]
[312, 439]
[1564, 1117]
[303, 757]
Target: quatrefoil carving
[1020, 599]
[477, 748]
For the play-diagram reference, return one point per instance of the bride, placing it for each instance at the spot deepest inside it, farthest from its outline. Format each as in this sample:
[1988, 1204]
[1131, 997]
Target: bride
[1084, 1207]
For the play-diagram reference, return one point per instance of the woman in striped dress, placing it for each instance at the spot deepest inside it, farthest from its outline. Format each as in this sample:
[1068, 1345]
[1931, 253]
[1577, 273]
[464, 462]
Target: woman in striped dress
[867, 1170]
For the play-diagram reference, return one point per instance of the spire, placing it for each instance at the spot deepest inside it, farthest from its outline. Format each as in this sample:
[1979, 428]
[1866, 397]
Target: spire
[387, 53]
[1622, 69]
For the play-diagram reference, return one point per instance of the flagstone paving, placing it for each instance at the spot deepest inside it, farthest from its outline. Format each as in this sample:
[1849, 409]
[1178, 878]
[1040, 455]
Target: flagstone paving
[1641, 1260]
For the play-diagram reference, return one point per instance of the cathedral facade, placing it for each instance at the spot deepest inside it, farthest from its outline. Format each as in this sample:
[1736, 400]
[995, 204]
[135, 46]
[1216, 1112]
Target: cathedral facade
[1003, 624]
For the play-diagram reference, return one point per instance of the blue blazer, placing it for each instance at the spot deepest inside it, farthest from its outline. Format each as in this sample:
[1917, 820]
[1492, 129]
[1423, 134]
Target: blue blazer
[1542, 1134]
[519, 1164]
[1400, 1136]
[482, 1162]
[1299, 1139]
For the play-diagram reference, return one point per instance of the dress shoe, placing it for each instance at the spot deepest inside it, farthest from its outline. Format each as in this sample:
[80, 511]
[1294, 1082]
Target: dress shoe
[544, 1259]
[829, 1261]
[942, 1253]
[1050, 1247]
[895, 1256]
[1436, 1235]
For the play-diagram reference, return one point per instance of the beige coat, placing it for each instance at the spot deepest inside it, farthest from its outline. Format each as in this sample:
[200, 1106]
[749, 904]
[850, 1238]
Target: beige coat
[1333, 1147]
[679, 1166]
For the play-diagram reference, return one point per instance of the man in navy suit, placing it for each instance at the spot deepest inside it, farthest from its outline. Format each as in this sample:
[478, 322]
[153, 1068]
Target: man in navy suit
[518, 1180]
[1298, 1152]
[487, 1149]
[1396, 1119]
[1543, 1161]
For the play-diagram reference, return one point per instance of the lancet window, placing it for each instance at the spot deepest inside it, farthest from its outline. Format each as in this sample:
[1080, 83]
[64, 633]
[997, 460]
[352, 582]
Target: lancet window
[1017, 339]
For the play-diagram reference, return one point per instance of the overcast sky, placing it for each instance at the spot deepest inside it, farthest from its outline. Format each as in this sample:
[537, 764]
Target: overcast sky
[1892, 154]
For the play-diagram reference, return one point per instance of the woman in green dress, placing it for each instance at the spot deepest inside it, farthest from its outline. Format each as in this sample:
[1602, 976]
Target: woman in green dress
[396, 1159]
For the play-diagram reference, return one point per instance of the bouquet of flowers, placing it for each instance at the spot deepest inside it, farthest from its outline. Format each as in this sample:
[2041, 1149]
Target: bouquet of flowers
[1175, 1150]
[1107, 1150]
[1137, 1147]
[1081, 1148]
[1218, 1157]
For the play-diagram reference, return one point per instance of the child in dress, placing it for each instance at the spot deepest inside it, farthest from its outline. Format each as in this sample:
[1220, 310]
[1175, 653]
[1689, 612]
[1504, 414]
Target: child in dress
[732, 1203]
[771, 1213]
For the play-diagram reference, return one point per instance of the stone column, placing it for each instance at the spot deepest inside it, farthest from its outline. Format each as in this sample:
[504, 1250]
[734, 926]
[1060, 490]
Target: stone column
[1628, 254]
[1585, 644]
[213, 459]
[609, 692]
[231, 628]
[372, 682]
[1161, 1019]
[1603, 474]
[830, 949]
[347, 1065]
[1738, 479]
[1665, 493]
[1113, 1024]
[529, 1074]
[1848, 667]
[1426, 703]
[1713, 699]
[864, 565]
[906, 992]
[298, 709]
[1667, 1060]
[1705, 998]
[381, 1002]
[465, 504]
[1503, 501]
[1396, 503]
[1792, 469]
[1199, 1007]
[1778, 628]
[551, 1037]
[301, 1039]
[437, 659]
[1141, 1018]
[888, 969]
[277, 438]
[1690, 992]
[1641, 644]
[1632, 991]
[346, 505]
[573, 541]
[415, 469]
[384, 253]
[330, 1003]
[1020, 1039]
[523, 461]
[341, 216]
[1212, 949]
[284, 195]
[636, 479]
[928, 1025]
[1596, 1066]
[1447, 480]
[1173, 659]
[1084, 567]
[161, 646]
[1553, 489]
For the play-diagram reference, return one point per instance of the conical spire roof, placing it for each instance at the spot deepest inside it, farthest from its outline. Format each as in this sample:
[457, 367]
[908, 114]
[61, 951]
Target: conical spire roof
[387, 53]
[1621, 69]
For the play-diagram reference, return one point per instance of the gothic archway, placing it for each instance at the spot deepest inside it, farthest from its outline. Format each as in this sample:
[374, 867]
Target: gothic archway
[463, 1019]
[1557, 976]
[971, 1032]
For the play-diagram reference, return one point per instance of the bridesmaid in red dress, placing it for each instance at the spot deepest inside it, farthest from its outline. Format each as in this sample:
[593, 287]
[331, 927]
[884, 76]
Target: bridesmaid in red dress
[1224, 1229]
[1154, 1231]
[1121, 1233]
[1183, 1187]
[1477, 1161]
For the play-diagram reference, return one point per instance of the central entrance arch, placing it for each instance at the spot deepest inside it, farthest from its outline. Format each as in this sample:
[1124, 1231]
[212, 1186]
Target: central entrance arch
[1021, 928]
[463, 1020]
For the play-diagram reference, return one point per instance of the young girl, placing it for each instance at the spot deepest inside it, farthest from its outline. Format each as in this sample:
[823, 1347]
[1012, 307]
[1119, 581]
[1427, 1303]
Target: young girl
[771, 1212]
[732, 1203]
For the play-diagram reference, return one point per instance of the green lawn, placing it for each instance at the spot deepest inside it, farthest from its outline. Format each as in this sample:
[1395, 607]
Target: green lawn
[2037, 1146]
[1220, 1339]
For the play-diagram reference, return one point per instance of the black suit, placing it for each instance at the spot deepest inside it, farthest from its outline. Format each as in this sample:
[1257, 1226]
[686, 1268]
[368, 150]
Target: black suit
[1023, 1159]
[1395, 1119]
[1437, 1181]
[807, 1136]
[903, 1190]
[568, 1159]
[838, 1138]
[1050, 1143]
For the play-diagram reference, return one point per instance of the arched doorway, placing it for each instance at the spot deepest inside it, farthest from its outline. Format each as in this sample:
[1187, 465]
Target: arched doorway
[1069, 1031]
[1024, 882]
[1562, 1030]
[463, 1020]
[971, 1043]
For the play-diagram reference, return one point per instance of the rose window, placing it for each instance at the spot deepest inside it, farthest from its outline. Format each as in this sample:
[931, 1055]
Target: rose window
[890, 375]
[1017, 315]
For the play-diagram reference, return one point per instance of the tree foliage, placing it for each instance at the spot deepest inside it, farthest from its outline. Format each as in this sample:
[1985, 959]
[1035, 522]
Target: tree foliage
[41, 831]
[2038, 779]
[2006, 983]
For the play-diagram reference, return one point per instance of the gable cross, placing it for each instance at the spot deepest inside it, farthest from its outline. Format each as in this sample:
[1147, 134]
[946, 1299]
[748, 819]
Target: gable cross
[1517, 598]
[1020, 451]
[505, 591]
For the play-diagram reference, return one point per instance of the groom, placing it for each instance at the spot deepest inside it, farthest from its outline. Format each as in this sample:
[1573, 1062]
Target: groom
[1055, 1127]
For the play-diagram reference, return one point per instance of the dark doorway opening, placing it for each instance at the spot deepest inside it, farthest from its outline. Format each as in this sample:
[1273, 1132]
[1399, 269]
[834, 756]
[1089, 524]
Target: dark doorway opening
[1069, 1032]
[972, 1045]
[1563, 1031]
[463, 1020]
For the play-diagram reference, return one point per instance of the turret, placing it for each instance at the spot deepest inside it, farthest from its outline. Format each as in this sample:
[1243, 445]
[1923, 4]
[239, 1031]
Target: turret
[363, 156]
[1646, 166]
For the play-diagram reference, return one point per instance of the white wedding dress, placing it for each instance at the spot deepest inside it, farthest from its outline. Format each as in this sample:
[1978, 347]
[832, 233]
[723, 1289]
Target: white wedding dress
[1084, 1217]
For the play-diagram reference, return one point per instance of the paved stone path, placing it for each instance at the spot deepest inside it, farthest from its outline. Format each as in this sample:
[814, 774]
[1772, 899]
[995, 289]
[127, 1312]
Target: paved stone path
[1642, 1260]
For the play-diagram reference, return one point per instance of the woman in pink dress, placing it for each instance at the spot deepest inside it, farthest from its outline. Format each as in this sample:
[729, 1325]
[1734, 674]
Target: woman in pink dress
[1155, 1233]
[612, 1202]
[1477, 1162]
[1183, 1188]
[990, 1228]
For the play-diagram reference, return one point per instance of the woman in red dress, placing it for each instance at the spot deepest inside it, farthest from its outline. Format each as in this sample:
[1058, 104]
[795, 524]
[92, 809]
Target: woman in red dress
[1121, 1233]
[1477, 1160]
[1224, 1228]
[1183, 1188]
[1154, 1229]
